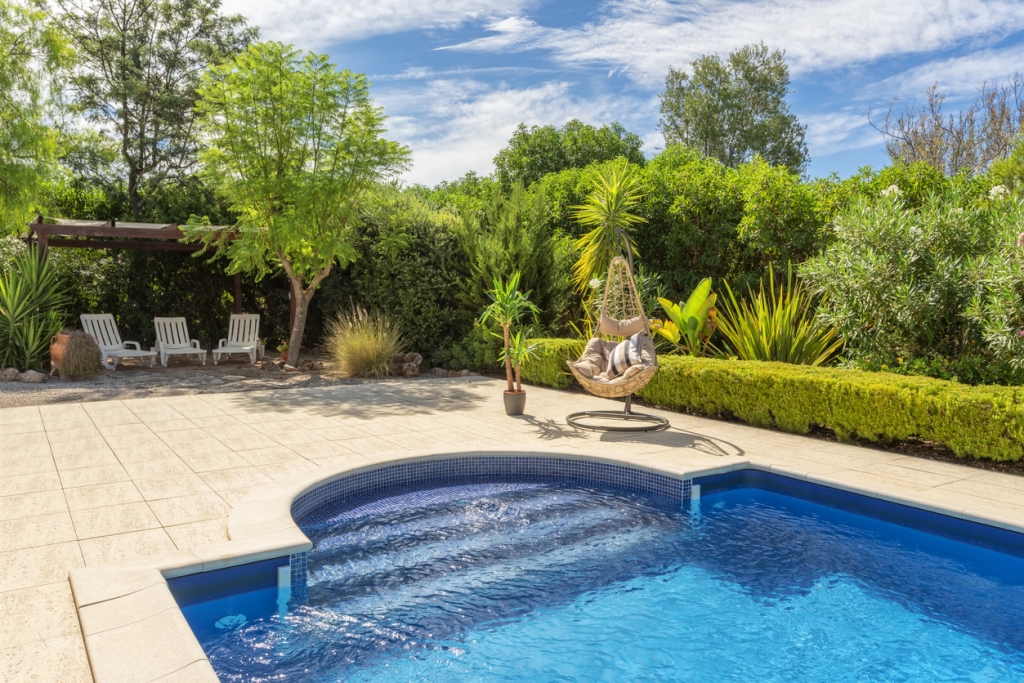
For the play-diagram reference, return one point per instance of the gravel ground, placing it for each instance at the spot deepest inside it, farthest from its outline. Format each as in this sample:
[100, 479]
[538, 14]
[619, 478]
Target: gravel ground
[180, 377]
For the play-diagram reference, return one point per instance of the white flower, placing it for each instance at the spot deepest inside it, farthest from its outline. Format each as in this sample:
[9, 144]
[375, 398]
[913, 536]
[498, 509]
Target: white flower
[958, 209]
[595, 283]
[892, 190]
[998, 192]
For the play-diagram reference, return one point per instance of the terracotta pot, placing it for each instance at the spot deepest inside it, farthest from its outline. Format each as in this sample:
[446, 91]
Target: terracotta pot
[515, 402]
[57, 345]
[284, 356]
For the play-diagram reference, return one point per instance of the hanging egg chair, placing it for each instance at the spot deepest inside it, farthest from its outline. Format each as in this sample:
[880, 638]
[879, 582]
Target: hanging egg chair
[618, 369]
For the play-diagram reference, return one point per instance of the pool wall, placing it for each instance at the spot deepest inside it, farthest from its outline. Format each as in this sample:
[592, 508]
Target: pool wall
[264, 526]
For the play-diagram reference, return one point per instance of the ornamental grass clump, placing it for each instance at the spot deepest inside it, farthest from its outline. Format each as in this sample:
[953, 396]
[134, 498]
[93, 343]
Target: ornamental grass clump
[777, 325]
[82, 356]
[363, 343]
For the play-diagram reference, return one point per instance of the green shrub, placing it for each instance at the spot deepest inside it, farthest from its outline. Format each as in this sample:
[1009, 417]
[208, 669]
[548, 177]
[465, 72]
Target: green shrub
[548, 366]
[363, 343]
[981, 422]
[30, 303]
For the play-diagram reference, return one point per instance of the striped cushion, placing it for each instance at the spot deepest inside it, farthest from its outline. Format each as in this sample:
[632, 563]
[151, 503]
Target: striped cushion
[624, 355]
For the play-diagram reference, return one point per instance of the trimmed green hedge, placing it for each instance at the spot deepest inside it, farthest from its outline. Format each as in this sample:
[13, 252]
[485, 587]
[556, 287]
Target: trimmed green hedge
[977, 421]
[548, 367]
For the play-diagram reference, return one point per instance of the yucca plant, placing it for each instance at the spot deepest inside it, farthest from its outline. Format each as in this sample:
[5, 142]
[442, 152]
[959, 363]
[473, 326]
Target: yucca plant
[363, 343]
[519, 352]
[30, 303]
[777, 324]
[508, 305]
[606, 211]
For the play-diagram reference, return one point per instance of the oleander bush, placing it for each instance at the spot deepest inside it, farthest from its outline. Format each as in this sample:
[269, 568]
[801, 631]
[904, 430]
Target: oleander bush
[974, 421]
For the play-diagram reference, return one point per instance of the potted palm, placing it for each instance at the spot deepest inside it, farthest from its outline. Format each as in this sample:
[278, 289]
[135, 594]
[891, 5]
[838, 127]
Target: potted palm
[519, 351]
[507, 307]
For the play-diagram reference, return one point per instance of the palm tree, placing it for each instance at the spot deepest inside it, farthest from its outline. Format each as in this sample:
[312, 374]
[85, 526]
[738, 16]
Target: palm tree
[507, 308]
[606, 211]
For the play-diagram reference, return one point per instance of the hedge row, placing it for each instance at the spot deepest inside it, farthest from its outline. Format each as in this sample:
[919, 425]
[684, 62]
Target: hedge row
[977, 421]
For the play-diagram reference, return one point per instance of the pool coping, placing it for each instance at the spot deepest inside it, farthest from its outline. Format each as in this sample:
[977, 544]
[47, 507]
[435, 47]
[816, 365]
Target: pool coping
[135, 632]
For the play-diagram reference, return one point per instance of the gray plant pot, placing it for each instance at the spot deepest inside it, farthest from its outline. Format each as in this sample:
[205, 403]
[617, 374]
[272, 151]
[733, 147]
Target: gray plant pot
[515, 402]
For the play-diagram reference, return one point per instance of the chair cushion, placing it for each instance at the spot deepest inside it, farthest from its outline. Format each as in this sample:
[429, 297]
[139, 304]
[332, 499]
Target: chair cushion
[619, 328]
[595, 357]
[624, 355]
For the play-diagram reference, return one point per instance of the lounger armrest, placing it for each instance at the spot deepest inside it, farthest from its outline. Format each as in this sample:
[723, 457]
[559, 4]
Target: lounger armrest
[128, 345]
[195, 343]
[222, 343]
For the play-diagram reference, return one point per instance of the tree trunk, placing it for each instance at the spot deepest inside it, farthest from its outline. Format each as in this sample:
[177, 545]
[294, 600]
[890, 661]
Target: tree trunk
[508, 360]
[299, 327]
[519, 377]
[302, 298]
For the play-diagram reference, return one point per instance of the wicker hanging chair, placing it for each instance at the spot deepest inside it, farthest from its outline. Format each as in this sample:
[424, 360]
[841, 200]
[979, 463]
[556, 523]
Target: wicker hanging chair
[622, 315]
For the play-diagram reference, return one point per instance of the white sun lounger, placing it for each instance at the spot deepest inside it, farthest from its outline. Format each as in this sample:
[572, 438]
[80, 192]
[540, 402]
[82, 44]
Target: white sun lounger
[243, 337]
[104, 330]
[172, 339]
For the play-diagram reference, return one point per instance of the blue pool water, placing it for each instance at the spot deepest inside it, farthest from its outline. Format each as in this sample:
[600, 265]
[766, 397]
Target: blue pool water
[545, 582]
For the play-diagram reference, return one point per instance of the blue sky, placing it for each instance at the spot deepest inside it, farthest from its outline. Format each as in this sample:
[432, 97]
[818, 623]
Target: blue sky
[457, 76]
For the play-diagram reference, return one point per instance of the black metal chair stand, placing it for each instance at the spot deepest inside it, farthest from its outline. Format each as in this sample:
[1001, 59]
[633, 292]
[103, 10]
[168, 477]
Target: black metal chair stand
[648, 422]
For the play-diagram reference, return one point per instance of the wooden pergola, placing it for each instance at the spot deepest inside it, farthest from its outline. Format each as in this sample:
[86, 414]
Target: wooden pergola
[85, 234]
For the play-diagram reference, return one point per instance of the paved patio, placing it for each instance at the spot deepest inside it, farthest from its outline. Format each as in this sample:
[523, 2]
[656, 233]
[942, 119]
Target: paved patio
[93, 483]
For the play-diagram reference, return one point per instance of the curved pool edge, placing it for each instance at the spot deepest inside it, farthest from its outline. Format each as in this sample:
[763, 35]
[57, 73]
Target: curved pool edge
[134, 630]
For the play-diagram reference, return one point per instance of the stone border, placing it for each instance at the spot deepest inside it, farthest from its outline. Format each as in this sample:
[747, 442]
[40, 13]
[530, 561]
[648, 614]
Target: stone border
[135, 633]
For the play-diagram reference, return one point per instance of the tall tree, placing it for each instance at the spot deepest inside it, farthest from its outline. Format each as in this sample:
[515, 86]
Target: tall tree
[538, 150]
[31, 48]
[968, 140]
[731, 110]
[295, 144]
[139, 65]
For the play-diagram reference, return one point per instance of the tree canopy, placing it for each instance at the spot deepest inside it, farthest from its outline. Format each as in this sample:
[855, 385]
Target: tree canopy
[734, 109]
[140, 62]
[31, 48]
[534, 152]
[295, 144]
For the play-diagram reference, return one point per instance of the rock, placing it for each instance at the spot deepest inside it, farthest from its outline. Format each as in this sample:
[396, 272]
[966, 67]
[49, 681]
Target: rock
[413, 358]
[271, 366]
[289, 368]
[411, 369]
[10, 375]
[33, 377]
[464, 373]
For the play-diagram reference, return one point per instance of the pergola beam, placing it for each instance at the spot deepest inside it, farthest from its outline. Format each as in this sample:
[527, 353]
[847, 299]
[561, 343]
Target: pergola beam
[122, 244]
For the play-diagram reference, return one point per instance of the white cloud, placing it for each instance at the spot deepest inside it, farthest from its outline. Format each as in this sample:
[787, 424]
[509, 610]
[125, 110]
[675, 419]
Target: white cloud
[957, 77]
[458, 126]
[320, 23]
[643, 37]
[832, 132]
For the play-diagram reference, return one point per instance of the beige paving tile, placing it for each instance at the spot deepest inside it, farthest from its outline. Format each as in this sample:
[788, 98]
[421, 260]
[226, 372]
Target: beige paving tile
[234, 496]
[155, 654]
[194, 508]
[73, 436]
[128, 609]
[122, 547]
[984, 490]
[38, 566]
[156, 469]
[113, 519]
[10, 452]
[323, 449]
[240, 477]
[906, 475]
[37, 613]
[214, 461]
[189, 535]
[73, 461]
[13, 416]
[171, 425]
[31, 504]
[100, 495]
[370, 444]
[280, 471]
[90, 476]
[56, 660]
[29, 483]
[172, 487]
[1008, 481]
[36, 464]
[266, 456]
[35, 531]
[196, 672]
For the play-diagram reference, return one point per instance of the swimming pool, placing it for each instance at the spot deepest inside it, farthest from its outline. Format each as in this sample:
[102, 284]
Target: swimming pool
[762, 578]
